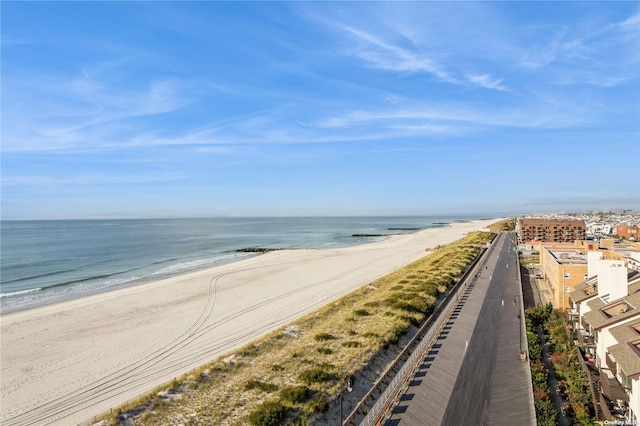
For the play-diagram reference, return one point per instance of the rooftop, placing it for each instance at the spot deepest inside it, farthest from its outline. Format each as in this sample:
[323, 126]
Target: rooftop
[605, 314]
[584, 291]
[627, 352]
[569, 256]
[589, 289]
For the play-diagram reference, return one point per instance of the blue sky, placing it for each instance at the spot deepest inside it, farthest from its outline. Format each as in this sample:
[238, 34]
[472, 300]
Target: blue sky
[161, 109]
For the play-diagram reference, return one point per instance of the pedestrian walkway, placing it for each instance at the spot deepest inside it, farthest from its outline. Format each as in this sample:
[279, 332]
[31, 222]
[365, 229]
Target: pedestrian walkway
[473, 374]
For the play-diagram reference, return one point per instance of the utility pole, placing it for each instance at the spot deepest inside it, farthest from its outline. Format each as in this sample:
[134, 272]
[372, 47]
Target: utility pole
[515, 303]
[349, 389]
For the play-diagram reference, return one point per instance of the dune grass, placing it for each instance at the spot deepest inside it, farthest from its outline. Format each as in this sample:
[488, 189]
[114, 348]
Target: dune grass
[291, 375]
[504, 225]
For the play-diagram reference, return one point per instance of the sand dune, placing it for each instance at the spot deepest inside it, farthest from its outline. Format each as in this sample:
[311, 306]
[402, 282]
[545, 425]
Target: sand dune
[65, 363]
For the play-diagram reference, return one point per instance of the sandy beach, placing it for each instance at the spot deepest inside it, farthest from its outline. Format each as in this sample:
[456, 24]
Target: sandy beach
[68, 362]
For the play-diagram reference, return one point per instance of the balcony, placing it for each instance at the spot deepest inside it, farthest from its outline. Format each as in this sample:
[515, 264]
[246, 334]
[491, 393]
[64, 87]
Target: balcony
[586, 340]
[572, 316]
[611, 388]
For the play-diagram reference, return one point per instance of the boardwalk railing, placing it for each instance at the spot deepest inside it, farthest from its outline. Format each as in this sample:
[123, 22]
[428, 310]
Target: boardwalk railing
[416, 350]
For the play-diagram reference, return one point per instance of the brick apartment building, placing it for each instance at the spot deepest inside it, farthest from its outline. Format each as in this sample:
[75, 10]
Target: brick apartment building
[551, 230]
[628, 231]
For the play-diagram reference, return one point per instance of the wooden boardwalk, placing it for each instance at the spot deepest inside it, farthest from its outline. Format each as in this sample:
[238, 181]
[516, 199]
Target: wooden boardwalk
[474, 374]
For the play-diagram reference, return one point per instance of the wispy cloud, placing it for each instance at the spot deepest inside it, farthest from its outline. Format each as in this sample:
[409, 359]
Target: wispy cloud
[450, 117]
[399, 45]
[84, 112]
[597, 52]
[631, 24]
[385, 55]
[487, 82]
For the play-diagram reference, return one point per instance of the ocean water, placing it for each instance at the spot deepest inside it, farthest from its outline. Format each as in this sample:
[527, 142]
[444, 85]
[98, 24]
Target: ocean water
[48, 261]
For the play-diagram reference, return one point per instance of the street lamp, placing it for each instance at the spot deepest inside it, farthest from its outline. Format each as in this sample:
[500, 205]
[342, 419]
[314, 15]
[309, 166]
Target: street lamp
[349, 389]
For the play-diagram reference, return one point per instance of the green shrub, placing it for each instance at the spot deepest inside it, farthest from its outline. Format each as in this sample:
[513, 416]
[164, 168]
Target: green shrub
[413, 304]
[397, 332]
[410, 319]
[269, 413]
[295, 394]
[539, 376]
[317, 404]
[277, 367]
[325, 351]
[432, 290]
[546, 413]
[256, 384]
[351, 344]
[362, 312]
[582, 416]
[535, 348]
[322, 337]
[314, 375]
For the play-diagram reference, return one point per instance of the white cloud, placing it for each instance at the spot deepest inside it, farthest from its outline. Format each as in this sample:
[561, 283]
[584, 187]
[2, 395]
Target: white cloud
[487, 82]
[84, 113]
[451, 117]
[631, 24]
[385, 55]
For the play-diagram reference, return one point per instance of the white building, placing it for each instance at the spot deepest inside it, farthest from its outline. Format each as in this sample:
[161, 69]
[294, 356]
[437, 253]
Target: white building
[607, 314]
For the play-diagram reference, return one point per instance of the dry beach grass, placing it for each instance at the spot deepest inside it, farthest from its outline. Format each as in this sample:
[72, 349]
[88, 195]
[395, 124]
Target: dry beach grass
[298, 371]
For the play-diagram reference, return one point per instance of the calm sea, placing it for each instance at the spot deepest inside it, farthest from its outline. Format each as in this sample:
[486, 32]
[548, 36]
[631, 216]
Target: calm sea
[48, 261]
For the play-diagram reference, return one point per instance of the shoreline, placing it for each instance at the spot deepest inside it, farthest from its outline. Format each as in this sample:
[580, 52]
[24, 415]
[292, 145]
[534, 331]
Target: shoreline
[101, 290]
[241, 253]
[69, 361]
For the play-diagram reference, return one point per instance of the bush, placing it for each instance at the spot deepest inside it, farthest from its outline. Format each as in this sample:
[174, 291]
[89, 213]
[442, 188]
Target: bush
[295, 394]
[545, 413]
[559, 334]
[325, 351]
[256, 384]
[414, 305]
[361, 312]
[318, 404]
[314, 375]
[322, 337]
[432, 290]
[269, 413]
[410, 319]
[351, 344]
[397, 332]
[535, 348]
[582, 416]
